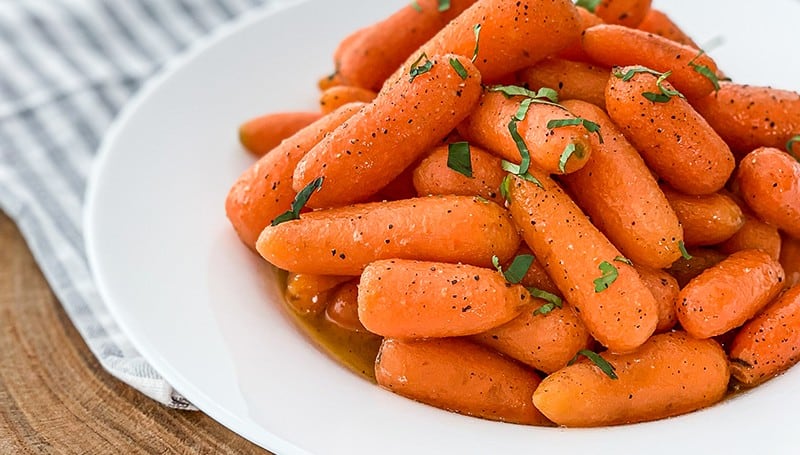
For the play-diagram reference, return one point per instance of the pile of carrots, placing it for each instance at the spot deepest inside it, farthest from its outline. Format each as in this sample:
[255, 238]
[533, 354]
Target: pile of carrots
[552, 213]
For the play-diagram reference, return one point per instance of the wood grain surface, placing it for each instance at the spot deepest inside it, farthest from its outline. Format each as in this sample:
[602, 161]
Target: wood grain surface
[54, 395]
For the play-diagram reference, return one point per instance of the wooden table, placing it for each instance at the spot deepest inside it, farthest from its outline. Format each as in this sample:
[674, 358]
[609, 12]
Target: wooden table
[54, 395]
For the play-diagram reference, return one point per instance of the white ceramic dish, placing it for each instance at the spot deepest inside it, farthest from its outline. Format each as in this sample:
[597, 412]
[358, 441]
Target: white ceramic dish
[197, 305]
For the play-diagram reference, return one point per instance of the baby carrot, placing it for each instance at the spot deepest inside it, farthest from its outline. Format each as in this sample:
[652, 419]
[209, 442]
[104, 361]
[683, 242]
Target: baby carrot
[672, 137]
[770, 343]
[658, 23]
[726, 295]
[344, 240]
[610, 298]
[342, 307]
[434, 175]
[371, 54]
[665, 289]
[264, 133]
[536, 276]
[769, 182]
[685, 269]
[460, 376]
[629, 13]
[264, 190]
[402, 187]
[546, 342]
[419, 299]
[615, 45]
[403, 122]
[308, 294]
[572, 80]
[706, 220]
[790, 259]
[575, 50]
[618, 192]
[490, 126]
[748, 117]
[512, 35]
[671, 374]
[335, 97]
[754, 235]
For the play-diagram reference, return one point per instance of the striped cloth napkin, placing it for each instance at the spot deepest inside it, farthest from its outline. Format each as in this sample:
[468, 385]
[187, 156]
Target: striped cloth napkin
[66, 69]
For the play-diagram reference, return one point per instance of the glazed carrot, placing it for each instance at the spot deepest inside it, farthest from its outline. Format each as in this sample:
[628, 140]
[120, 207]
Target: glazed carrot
[615, 45]
[536, 276]
[658, 23]
[460, 376]
[673, 138]
[748, 117]
[790, 259]
[575, 50]
[371, 54]
[706, 220]
[618, 192]
[488, 125]
[264, 190]
[629, 13]
[402, 187]
[621, 313]
[754, 235]
[419, 299]
[546, 342]
[434, 176]
[726, 295]
[343, 241]
[337, 96]
[264, 133]
[769, 181]
[308, 294]
[403, 122]
[665, 289]
[770, 343]
[572, 80]
[686, 269]
[671, 374]
[342, 307]
[513, 35]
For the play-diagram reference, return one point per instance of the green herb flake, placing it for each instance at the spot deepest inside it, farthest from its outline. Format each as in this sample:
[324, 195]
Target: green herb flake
[610, 274]
[790, 146]
[477, 31]
[505, 188]
[544, 95]
[599, 361]
[515, 169]
[657, 97]
[496, 264]
[705, 71]
[444, 5]
[518, 268]
[588, 125]
[459, 158]
[684, 253]
[623, 260]
[588, 5]
[628, 75]
[525, 155]
[299, 202]
[569, 150]
[460, 70]
[552, 301]
[418, 69]
[416, 6]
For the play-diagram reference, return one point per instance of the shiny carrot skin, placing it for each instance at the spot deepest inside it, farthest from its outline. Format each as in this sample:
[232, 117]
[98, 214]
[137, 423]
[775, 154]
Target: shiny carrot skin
[264, 190]
[769, 182]
[460, 376]
[513, 35]
[615, 45]
[706, 220]
[572, 80]
[671, 374]
[575, 50]
[308, 294]
[748, 116]
[726, 295]
[264, 133]
[546, 342]
[420, 299]
[621, 316]
[629, 13]
[658, 23]
[342, 307]
[624, 201]
[754, 235]
[388, 135]
[674, 140]
[665, 289]
[488, 125]
[434, 176]
[337, 96]
[770, 343]
[344, 240]
[790, 259]
[371, 54]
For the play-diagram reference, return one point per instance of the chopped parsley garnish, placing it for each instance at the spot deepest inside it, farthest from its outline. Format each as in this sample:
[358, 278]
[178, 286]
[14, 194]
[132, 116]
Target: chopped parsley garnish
[589, 125]
[552, 301]
[628, 75]
[610, 274]
[460, 70]
[588, 5]
[544, 95]
[299, 202]
[419, 68]
[596, 359]
[705, 71]
[477, 30]
[515, 169]
[666, 93]
[623, 260]
[518, 268]
[684, 253]
[444, 5]
[505, 188]
[525, 155]
[790, 146]
[569, 150]
[459, 158]
[416, 6]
